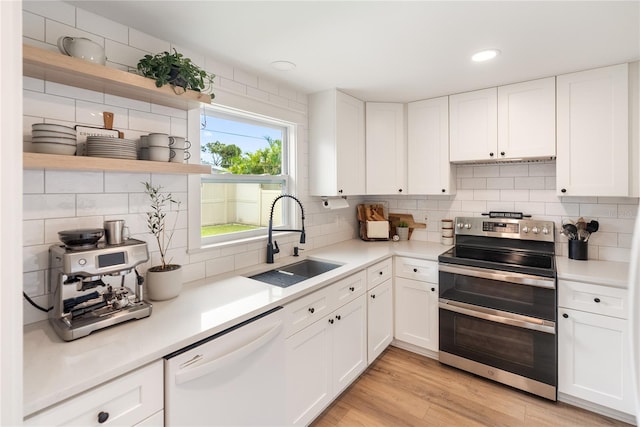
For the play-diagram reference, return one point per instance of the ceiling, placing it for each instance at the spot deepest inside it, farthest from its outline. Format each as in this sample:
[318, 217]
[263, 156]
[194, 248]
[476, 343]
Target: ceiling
[396, 51]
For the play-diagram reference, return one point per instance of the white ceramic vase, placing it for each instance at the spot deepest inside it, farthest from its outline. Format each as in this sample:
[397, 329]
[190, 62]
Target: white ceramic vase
[162, 285]
[403, 233]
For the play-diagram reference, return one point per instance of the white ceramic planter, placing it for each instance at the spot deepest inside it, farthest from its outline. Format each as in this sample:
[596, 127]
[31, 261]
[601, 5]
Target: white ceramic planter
[403, 233]
[163, 284]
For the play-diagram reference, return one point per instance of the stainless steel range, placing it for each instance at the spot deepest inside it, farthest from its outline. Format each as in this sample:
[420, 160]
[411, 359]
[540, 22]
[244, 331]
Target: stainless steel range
[497, 303]
[82, 302]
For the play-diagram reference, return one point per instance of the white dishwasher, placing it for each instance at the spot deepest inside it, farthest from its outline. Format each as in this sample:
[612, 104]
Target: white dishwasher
[233, 378]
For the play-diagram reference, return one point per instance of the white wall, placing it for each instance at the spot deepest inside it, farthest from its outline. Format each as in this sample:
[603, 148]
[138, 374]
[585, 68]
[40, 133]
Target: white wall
[58, 200]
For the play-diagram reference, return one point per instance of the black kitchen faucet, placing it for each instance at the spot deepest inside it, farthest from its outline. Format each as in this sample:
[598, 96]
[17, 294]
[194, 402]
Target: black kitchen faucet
[272, 246]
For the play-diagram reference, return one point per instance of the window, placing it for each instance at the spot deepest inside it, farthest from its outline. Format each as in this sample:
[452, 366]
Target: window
[249, 159]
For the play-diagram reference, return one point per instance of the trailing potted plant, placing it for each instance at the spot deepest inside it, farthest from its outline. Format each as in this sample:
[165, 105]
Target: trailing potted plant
[176, 70]
[164, 281]
[403, 230]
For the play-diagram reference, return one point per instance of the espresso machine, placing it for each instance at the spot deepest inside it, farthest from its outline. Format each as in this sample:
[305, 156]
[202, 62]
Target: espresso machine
[88, 289]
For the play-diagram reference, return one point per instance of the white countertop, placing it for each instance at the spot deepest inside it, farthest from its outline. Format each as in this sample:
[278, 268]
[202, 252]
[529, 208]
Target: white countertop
[55, 370]
[608, 273]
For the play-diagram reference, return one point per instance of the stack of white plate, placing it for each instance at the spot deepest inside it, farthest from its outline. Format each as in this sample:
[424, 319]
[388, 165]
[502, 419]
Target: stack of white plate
[115, 148]
[53, 139]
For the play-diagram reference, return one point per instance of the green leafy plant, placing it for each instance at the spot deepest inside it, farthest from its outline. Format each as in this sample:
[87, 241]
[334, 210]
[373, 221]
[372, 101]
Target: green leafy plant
[156, 221]
[403, 224]
[176, 70]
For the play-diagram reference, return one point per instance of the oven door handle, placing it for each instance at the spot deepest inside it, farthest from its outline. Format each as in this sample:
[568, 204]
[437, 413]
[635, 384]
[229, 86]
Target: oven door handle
[501, 276]
[498, 316]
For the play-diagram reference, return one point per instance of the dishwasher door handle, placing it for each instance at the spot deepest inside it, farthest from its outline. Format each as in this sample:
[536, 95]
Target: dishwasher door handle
[191, 374]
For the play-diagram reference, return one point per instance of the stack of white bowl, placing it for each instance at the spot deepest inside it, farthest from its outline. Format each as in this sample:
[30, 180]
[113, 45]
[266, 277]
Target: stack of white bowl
[50, 138]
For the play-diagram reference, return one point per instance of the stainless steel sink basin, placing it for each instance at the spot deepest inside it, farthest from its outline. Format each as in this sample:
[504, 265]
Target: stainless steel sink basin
[294, 273]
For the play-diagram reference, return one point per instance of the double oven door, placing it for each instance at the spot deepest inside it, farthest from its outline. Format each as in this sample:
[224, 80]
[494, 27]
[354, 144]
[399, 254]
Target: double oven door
[500, 325]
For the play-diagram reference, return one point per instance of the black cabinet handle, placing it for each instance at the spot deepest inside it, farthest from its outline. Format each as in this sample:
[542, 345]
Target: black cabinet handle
[596, 299]
[103, 417]
[338, 317]
[373, 296]
[415, 270]
[490, 154]
[564, 190]
[502, 153]
[444, 191]
[331, 321]
[433, 289]
[312, 310]
[352, 289]
[381, 273]
[566, 316]
[340, 191]
[399, 190]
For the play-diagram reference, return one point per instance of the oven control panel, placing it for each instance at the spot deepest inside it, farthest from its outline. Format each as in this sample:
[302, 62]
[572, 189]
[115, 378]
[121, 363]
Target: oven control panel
[524, 229]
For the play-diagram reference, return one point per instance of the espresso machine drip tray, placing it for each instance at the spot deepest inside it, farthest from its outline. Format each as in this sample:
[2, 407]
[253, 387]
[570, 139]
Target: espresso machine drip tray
[82, 299]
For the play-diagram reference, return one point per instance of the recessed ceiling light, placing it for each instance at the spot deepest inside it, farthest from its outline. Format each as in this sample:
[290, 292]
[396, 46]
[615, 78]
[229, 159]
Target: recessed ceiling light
[485, 55]
[283, 65]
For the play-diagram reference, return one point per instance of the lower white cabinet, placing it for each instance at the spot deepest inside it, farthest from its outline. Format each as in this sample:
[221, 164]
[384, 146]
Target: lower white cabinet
[132, 399]
[594, 354]
[416, 302]
[379, 319]
[324, 358]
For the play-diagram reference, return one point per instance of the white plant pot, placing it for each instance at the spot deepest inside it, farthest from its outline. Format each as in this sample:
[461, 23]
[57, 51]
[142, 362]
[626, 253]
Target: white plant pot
[403, 233]
[163, 284]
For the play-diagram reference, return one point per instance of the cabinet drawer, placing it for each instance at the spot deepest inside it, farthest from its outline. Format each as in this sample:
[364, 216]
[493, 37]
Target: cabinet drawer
[306, 310]
[417, 269]
[378, 273]
[593, 298]
[346, 290]
[127, 400]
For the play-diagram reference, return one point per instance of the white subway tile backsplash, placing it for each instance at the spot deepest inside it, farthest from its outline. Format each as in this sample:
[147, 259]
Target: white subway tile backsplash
[488, 195]
[33, 232]
[49, 106]
[148, 43]
[563, 209]
[598, 210]
[257, 93]
[31, 314]
[515, 195]
[35, 258]
[244, 77]
[531, 208]
[464, 171]
[627, 211]
[486, 171]
[179, 128]
[278, 100]
[625, 240]
[547, 169]
[73, 182]
[223, 264]
[267, 85]
[33, 26]
[123, 54]
[543, 196]
[147, 122]
[514, 170]
[53, 88]
[477, 206]
[218, 68]
[500, 183]
[56, 10]
[193, 271]
[168, 111]
[550, 183]
[249, 258]
[33, 181]
[288, 93]
[170, 183]
[99, 25]
[54, 30]
[33, 283]
[501, 206]
[43, 206]
[529, 182]
[603, 238]
[124, 182]
[102, 204]
[127, 103]
[472, 183]
[613, 254]
[32, 84]
[231, 85]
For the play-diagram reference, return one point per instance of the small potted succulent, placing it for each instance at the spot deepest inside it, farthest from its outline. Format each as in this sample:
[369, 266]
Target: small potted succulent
[176, 70]
[164, 281]
[402, 229]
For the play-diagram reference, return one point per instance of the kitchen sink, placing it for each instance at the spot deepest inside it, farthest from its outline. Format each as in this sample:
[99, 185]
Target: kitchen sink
[294, 273]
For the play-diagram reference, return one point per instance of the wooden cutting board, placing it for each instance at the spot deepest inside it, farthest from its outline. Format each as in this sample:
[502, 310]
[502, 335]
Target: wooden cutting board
[396, 218]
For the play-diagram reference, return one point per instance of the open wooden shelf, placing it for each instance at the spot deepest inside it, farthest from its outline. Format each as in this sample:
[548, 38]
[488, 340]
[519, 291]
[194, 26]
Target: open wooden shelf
[55, 67]
[81, 163]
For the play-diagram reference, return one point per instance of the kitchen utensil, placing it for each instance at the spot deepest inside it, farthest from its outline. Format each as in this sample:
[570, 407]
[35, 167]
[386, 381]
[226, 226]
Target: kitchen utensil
[81, 238]
[578, 249]
[570, 230]
[593, 226]
[107, 117]
[83, 48]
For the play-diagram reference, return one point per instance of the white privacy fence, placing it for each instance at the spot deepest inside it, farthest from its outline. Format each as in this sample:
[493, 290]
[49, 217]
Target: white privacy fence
[239, 203]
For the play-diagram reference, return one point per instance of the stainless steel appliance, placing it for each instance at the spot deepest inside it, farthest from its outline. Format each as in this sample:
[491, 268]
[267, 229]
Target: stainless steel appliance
[233, 378]
[82, 302]
[497, 301]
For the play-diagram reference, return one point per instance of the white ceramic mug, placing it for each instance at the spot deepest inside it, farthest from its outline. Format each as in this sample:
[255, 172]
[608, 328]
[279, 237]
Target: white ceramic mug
[179, 156]
[159, 154]
[158, 140]
[115, 231]
[179, 143]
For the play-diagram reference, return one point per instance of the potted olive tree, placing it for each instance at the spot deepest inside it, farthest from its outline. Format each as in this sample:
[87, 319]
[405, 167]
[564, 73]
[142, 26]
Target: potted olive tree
[176, 70]
[164, 281]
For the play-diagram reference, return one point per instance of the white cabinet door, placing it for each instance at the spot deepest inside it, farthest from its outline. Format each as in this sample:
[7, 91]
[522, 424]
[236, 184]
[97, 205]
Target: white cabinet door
[349, 343]
[336, 144]
[386, 166]
[309, 387]
[416, 313]
[428, 167]
[379, 319]
[594, 359]
[527, 119]
[593, 139]
[473, 125]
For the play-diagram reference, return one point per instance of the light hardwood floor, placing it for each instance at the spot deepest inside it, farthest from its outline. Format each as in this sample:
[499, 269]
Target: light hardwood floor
[405, 389]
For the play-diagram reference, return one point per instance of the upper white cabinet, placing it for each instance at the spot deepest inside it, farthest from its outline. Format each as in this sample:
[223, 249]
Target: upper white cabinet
[594, 150]
[428, 167]
[527, 119]
[386, 148]
[510, 122]
[473, 132]
[336, 144]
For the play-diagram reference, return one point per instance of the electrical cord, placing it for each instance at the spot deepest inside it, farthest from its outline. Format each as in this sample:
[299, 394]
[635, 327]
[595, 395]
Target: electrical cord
[36, 305]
